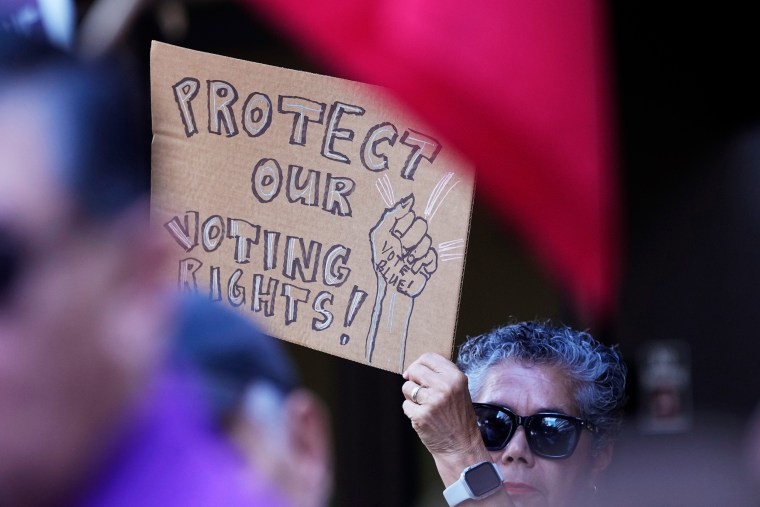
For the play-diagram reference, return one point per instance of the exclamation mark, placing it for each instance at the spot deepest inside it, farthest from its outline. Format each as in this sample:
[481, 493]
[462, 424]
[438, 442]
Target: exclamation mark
[355, 303]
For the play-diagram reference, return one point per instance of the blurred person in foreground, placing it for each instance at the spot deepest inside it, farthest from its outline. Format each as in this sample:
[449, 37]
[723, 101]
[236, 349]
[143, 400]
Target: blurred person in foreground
[752, 451]
[280, 428]
[547, 407]
[91, 413]
[51, 20]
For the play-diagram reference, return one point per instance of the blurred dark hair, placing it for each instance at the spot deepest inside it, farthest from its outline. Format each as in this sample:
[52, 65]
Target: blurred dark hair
[230, 353]
[98, 128]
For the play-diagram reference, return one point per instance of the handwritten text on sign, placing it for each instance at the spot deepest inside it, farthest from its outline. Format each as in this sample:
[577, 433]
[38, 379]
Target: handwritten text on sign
[280, 189]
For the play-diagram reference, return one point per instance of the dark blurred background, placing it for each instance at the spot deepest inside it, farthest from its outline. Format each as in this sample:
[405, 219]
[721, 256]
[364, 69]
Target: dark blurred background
[688, 119]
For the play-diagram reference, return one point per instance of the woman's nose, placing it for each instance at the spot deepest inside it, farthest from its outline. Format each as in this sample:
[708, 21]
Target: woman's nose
[518, 450]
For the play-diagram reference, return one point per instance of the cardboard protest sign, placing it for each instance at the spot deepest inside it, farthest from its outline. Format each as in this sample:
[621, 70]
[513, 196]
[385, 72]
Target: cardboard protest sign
[314, 205]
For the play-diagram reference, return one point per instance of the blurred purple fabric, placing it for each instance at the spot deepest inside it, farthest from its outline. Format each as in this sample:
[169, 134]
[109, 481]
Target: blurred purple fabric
[169, 454]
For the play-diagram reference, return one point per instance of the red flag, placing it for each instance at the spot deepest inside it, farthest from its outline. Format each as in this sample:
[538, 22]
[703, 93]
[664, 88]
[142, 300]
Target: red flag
[520, 87]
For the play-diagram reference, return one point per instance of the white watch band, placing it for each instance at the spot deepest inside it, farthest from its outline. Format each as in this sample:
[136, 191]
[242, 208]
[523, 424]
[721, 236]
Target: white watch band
[457, 493]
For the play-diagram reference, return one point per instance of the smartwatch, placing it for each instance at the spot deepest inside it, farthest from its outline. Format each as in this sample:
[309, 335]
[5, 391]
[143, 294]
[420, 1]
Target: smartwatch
[475, 482]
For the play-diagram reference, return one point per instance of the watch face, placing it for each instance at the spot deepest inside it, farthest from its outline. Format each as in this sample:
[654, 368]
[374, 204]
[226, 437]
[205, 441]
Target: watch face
[482, 479]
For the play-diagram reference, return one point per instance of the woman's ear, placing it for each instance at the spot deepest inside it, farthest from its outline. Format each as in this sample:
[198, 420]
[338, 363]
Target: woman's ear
[150, 247]
[601, 460]
[310, 444]
[140, 313]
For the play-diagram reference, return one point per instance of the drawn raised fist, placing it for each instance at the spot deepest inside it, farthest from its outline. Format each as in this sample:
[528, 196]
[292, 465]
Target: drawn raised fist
[404, 260]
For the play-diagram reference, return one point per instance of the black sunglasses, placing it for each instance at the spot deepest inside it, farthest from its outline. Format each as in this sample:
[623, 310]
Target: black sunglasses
[549, 434]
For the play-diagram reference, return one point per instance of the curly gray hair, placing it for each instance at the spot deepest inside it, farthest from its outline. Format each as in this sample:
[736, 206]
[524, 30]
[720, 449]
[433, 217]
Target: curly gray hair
[596, 370]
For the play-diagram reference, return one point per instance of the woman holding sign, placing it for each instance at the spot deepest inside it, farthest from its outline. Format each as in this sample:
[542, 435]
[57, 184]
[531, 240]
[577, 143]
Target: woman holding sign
[547, 407]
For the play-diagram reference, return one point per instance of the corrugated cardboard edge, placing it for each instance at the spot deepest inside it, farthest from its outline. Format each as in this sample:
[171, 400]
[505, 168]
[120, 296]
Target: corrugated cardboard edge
[451, 357]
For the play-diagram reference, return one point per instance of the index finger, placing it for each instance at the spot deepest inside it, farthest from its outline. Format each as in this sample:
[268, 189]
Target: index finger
[431, 361]
[393, 215]
[401, 208]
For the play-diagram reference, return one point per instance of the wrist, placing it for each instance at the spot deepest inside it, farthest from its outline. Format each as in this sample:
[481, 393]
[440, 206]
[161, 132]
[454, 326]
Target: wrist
[451, 465]
[475, 482]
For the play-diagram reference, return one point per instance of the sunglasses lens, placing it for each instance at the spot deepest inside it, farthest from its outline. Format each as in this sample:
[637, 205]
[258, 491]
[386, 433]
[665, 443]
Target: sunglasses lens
[495, 427]
[553, 436]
